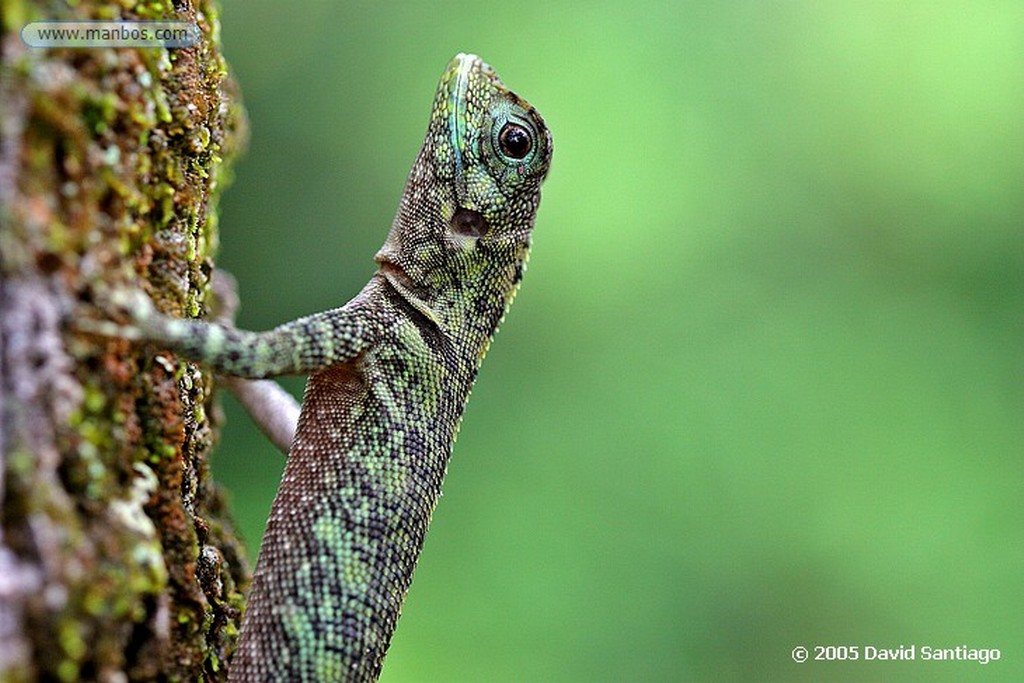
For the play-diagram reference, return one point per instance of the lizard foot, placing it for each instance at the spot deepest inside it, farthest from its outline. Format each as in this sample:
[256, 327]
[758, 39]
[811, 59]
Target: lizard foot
[115, 304]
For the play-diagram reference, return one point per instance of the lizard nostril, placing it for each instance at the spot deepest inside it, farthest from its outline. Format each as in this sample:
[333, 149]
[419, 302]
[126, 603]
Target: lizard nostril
[470, 223]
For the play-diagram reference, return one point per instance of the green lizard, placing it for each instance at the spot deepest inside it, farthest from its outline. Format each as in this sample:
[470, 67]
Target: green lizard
[390, 373]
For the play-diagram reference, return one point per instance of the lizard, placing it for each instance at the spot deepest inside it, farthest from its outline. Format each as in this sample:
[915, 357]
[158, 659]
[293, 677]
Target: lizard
[389, 376]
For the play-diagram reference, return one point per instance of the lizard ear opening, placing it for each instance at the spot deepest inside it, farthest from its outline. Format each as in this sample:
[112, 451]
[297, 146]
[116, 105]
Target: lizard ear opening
[469, 223]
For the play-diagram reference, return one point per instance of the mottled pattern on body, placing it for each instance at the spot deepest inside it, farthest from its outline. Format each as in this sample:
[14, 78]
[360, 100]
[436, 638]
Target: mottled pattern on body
[390, 375]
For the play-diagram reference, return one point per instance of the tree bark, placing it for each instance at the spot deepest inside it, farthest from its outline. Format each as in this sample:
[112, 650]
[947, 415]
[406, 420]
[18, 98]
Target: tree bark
[117, 558]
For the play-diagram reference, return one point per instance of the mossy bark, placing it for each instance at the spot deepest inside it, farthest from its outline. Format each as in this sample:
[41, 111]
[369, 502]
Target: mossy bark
[117, 558]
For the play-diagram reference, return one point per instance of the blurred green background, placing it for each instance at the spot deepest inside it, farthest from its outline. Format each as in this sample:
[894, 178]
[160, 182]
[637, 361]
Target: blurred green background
[764, 383]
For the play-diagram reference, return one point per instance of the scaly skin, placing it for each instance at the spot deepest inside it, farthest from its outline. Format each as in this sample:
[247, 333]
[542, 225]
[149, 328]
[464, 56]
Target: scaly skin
[390, 373]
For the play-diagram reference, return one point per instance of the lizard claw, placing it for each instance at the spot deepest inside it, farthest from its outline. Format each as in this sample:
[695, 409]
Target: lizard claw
[118, 303]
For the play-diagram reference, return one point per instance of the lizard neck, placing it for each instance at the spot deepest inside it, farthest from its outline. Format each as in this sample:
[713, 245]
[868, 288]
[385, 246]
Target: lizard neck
[466, 300]
[467, 316]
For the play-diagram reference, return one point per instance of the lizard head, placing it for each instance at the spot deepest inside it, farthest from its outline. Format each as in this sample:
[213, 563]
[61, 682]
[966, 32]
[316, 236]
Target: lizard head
[475, 186]
[490, 148]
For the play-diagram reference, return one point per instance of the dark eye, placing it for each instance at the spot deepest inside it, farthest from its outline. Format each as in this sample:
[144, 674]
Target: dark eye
[515, 140]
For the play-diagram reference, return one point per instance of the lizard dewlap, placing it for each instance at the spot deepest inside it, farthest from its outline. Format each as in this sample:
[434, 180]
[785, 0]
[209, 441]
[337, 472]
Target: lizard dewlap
[389, 376]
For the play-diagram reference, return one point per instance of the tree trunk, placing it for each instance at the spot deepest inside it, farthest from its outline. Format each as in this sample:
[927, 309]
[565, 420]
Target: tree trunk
[117, 559]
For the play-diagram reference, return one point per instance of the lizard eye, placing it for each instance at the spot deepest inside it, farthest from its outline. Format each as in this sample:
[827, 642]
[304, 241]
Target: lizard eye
[515, 140]
[519, 144]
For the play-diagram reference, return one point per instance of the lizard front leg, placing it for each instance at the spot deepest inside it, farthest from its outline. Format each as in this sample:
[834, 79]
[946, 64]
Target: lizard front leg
[298, 347]
[242, 359]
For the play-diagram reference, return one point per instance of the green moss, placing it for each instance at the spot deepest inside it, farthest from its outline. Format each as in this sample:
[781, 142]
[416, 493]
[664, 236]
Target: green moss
[20, 463]
[68, 671]
[14, 14]
[99, 111]
[94, 401]
[71, 641]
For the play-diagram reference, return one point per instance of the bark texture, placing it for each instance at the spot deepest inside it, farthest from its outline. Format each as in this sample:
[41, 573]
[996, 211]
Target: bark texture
[117, 559]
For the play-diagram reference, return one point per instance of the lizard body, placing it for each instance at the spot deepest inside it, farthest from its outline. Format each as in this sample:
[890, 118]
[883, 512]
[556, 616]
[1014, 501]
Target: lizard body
[390, 373]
